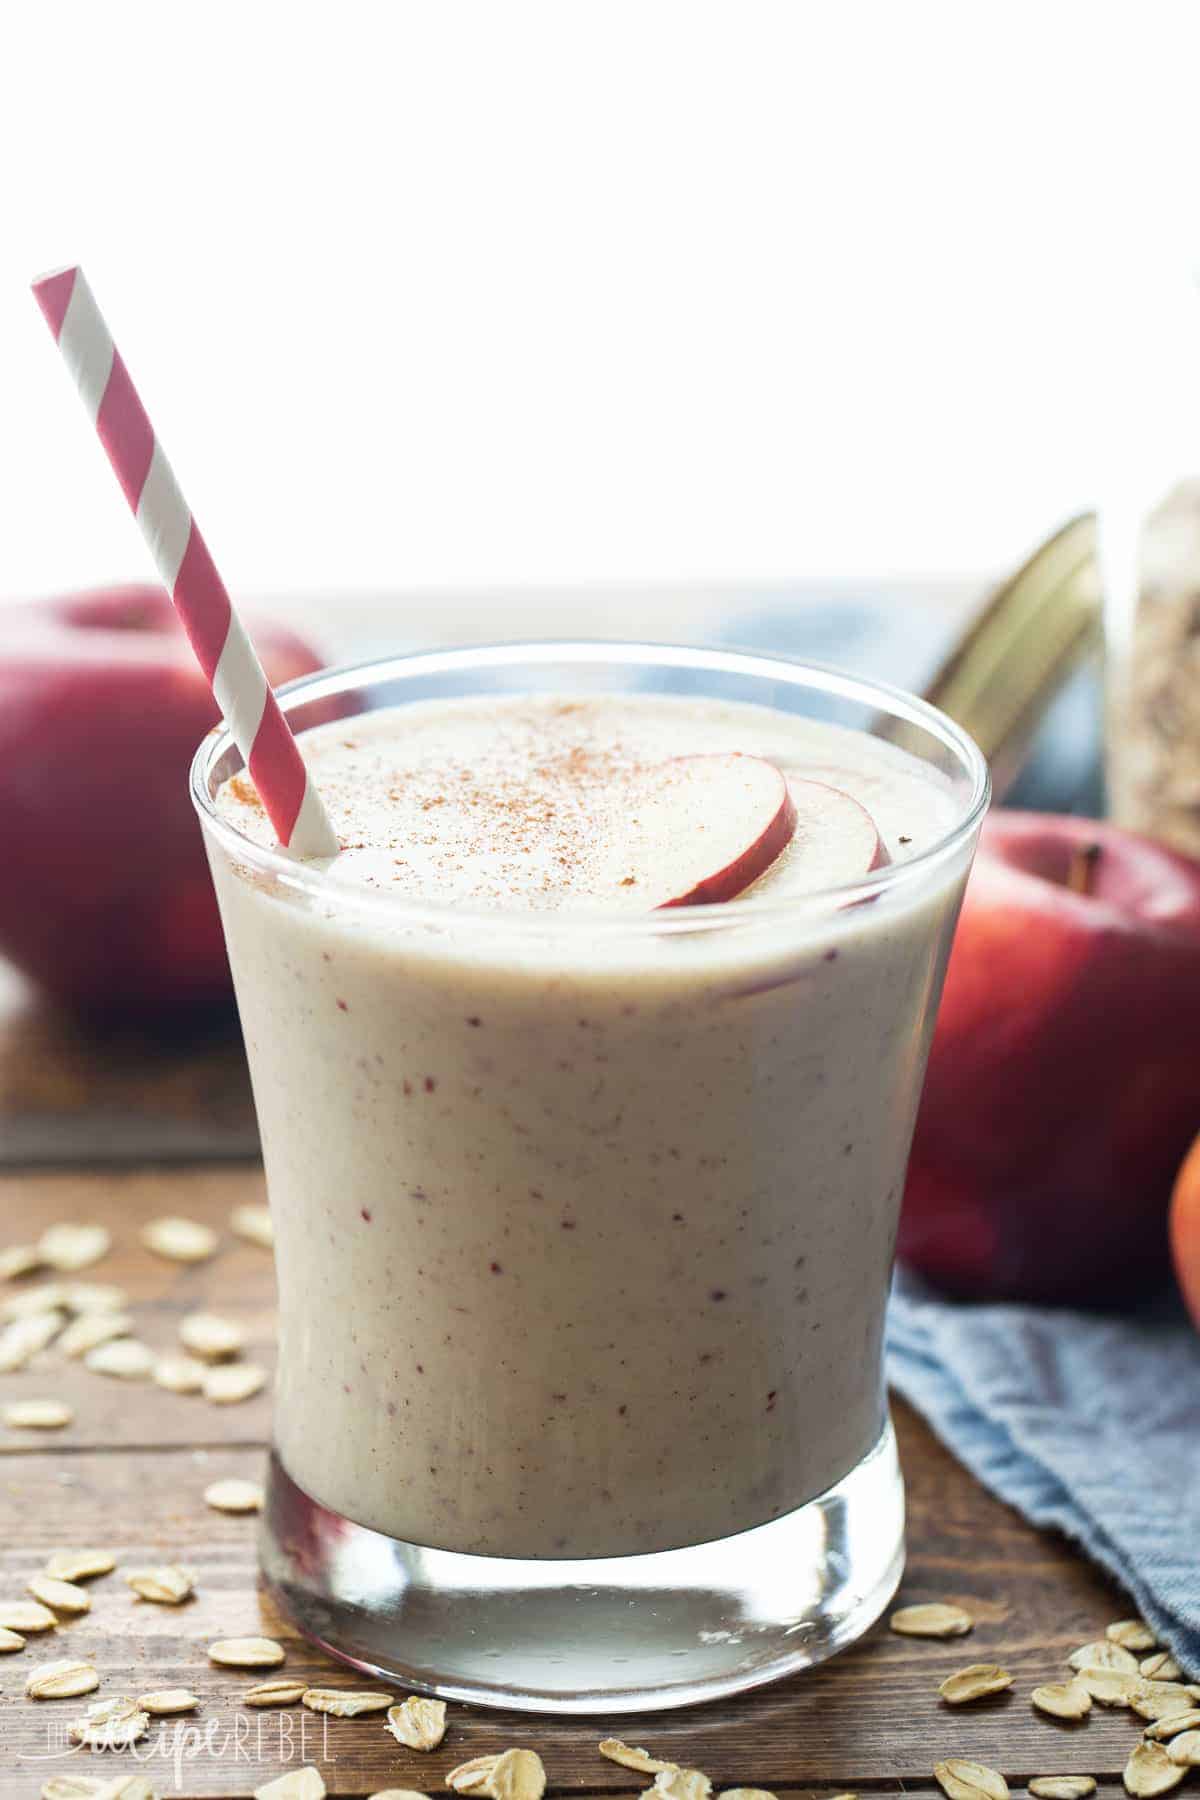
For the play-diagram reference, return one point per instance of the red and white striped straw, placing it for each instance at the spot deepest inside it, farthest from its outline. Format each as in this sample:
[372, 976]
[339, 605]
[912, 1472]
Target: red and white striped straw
[226, 655]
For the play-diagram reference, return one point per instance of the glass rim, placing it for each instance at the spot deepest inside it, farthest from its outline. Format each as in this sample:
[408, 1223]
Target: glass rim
[294, 873]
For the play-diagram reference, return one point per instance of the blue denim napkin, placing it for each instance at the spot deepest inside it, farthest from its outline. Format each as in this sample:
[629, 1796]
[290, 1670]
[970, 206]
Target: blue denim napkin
[1083, 1422]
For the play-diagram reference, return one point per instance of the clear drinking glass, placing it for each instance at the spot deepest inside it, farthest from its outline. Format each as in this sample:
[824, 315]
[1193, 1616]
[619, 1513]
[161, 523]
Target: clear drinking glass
[584, 1228]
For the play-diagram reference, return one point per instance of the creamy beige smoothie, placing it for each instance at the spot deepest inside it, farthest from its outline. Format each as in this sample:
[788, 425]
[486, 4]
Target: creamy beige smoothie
[585, 1212]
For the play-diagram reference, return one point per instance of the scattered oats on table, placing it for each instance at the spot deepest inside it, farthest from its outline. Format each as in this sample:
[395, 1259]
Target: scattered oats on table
[1111, 1687]
[93, 1297]
[1062, 1787]
[26, 1615]
[167, 1584]
[69, 1248]
[517, 1775]
[631, 1756]
[682, 1784]
[233, 1495]
[229, 1383]
[418, 1723]
[253, 1224]
[179, 1374]
[1150, 1771]
[124, 1358]
[91, 1329]
[180, 1240]
[164, 1701]
[1172, 1724]
[1104, 1654]
[937, 1619]
[210, 1337]
[37, 1415]
[975, 1682]
[961, 1779]
[63, 1596]
[23, 1338]
[300, 1784]
[111, 1725]
[472, 1776]
[48, 1296]
[87, 1787]
[1131, 1634]
[1158, 1699]
[19, 1259]
[79, 1565]
[346, 1703]
[64, 1680]
[247, 1653]
[1185, 1749]
[1160, 1667]
[71, 1787]
[10, 1641]
[1063, 1699]
[273, 1693]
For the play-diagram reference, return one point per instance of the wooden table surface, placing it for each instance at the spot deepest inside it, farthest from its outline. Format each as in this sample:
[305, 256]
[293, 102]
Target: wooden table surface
[129, 1473]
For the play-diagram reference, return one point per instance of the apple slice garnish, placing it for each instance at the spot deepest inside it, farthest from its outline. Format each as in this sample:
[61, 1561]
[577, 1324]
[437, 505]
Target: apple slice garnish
[720, 822]
[702, 829]
[836, 839]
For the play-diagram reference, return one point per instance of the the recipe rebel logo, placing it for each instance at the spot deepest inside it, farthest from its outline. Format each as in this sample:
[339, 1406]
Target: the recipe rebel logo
[274, 1741]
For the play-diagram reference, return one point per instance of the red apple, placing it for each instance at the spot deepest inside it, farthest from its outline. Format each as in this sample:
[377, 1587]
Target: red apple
[1064, 1079]
[106, 900]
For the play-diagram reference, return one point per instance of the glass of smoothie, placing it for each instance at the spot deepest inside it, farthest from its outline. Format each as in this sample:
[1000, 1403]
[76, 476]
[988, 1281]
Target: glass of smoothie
[586, 1073]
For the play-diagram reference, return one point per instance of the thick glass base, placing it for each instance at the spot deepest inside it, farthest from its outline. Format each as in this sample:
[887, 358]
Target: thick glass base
[614, 1634]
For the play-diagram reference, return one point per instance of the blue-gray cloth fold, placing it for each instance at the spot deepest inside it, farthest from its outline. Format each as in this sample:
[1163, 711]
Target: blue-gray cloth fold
[1087, 1423]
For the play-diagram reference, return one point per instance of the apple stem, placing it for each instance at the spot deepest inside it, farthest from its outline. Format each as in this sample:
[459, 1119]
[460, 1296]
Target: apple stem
[1081, 872]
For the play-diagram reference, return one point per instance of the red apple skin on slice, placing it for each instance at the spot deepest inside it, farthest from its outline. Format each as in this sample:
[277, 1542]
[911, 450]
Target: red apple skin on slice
[712, 801]
[702, 829]
[837, 840]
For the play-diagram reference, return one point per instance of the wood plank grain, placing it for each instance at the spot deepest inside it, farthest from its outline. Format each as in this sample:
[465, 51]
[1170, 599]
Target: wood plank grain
[871, 1716]
[238, 1282]
[131, 1474]
[67, 1094]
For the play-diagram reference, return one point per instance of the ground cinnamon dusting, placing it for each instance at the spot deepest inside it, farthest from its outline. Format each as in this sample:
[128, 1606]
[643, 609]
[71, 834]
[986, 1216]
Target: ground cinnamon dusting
[244, 792]
[508, 810]
[507, 802]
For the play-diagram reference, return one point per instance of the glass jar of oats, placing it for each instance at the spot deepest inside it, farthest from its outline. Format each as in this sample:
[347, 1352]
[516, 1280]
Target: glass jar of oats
[1153, 629]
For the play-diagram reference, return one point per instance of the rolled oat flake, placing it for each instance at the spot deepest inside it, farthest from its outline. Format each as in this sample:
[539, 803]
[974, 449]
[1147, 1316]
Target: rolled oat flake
[299, 1784]
[1150, 1771]
[64, 1680]
[1062, 1787]
[418, 1723]
[974, 1682]
[937, 1620]
[274, 1693]
[247, 1653]
[961, 1779]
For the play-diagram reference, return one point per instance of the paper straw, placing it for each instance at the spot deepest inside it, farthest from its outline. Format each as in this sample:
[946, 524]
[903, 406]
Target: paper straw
[225, 653]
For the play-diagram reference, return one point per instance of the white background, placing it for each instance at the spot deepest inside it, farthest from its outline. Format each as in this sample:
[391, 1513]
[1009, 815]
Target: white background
[537, 292]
